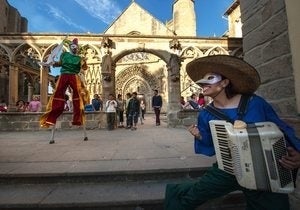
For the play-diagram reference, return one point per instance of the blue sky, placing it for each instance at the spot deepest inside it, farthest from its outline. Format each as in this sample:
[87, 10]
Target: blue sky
[94, 16]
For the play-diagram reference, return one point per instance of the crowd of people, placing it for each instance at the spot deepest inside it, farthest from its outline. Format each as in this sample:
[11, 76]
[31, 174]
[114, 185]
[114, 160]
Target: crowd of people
[126, 112]
[121, 112]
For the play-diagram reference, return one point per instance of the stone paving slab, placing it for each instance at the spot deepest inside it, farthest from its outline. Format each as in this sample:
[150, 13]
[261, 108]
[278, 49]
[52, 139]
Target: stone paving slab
[150, 147]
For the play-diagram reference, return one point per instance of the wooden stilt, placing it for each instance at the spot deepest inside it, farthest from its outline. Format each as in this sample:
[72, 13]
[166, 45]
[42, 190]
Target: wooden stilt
[85, 138]
[52, 135]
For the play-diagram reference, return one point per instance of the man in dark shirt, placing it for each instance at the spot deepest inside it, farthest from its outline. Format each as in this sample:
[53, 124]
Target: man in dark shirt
[156, 105]
[133, 110]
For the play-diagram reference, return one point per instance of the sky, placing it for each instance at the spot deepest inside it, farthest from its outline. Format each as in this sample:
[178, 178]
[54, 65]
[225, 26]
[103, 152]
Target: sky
[95, 16]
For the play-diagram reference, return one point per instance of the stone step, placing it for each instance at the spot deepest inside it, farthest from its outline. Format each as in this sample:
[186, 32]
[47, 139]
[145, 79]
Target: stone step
[101, 176]
[106, 190]
[133, 195]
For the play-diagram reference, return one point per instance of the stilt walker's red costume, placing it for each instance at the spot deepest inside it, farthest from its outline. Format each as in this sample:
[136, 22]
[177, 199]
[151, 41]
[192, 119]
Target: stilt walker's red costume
[70, 63]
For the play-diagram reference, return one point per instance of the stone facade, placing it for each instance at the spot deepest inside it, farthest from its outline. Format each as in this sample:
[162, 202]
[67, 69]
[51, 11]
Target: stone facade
[139, 55]
[134, 13]
[233, 15]
[267, 47]
[11, 20]
[139, 63]
[270, 43]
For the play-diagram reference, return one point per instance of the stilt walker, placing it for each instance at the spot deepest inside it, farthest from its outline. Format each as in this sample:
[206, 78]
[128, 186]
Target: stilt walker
[71, 66]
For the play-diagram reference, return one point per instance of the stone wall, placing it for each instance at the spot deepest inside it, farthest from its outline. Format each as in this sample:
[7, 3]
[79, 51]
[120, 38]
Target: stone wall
[266, 46]
[182, 118]
[28, 121]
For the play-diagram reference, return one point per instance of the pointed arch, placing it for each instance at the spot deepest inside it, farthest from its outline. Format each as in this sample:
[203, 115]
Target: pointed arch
[218, 50]
[191, 52]
[33, 51]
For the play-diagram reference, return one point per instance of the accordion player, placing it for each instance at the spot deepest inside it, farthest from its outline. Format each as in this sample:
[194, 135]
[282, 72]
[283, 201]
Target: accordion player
[251, 154]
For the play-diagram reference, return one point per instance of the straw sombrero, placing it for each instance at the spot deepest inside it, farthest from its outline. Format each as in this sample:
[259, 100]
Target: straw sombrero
[243, 77]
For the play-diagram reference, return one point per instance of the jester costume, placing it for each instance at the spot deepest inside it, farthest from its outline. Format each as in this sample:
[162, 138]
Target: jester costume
[71, 64]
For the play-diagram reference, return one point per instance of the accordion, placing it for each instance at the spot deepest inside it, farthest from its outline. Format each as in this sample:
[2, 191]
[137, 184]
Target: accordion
[251, 155]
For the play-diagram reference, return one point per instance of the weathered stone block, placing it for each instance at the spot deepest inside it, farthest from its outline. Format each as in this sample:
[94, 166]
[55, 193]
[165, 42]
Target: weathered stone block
[189, 121]
[271, 71]
[266, 32]
[276, 47]
[33, 125]
[279, 89]
[285, 107]
[254, 56]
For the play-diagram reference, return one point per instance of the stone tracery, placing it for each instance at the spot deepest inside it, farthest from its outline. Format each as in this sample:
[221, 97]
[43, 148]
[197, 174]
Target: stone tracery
[130, 63]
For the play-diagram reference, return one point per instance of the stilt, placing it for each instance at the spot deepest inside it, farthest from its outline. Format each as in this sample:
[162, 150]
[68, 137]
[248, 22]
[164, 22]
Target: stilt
[84, 133]
[52, 135]
[85, 138]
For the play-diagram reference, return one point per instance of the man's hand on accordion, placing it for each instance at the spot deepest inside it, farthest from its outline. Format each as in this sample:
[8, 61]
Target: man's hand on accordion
[193, 129]
[292, 160]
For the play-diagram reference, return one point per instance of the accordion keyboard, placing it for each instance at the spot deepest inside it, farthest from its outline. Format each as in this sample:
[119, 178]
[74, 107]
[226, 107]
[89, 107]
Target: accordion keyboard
[223, 142]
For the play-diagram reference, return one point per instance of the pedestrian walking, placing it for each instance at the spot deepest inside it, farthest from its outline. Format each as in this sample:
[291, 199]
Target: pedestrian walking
[156, 105]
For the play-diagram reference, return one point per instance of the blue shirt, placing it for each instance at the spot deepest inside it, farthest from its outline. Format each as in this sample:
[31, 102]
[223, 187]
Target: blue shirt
[258, 111]
[96, 104]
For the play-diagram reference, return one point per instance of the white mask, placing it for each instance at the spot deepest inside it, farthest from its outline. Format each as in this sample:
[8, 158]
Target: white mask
[210, 79]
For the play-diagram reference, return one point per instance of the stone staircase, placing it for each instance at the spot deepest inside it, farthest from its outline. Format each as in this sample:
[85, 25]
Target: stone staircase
[115, 190]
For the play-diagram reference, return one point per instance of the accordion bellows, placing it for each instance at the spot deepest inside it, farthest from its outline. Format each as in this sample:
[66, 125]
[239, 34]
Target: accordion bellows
[252, 154]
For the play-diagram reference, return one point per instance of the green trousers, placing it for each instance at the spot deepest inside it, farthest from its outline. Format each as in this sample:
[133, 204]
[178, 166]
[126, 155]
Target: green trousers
[216, 183]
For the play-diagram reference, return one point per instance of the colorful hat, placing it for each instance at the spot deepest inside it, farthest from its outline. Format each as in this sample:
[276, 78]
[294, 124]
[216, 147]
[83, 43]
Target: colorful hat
[75, 41]
[243, 77]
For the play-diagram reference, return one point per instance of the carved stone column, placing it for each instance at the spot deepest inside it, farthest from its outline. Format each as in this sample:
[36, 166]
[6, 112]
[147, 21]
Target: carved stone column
[174, 96]
[13, 87]
[44, 71]
[30, 92]
[4, 82]
[174, 89]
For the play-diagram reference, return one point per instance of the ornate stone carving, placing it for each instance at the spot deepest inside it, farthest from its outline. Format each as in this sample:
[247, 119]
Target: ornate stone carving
[216, 51]
[135, 57]
[135, 75]
[191, 52]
